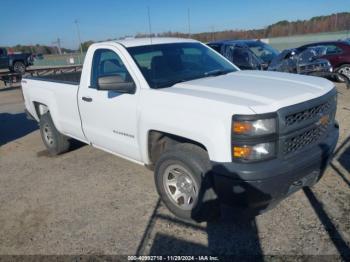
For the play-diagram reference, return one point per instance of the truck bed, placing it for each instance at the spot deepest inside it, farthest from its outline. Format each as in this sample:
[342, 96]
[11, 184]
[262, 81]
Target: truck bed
[59, 93]
[72, 78]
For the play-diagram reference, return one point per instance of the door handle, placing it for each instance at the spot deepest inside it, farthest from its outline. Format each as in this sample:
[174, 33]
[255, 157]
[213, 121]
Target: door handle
[86, 99]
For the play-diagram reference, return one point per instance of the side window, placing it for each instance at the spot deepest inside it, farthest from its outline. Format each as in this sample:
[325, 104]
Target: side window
[217, 48]
[240, 56]
[228, 51]
[107, 63]
[2, 53]
[333, 49]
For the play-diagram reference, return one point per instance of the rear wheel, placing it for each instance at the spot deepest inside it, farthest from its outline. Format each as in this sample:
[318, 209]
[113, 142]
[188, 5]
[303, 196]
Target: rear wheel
[19, 67]
[342, 72]
[183, 181]
[55, 142]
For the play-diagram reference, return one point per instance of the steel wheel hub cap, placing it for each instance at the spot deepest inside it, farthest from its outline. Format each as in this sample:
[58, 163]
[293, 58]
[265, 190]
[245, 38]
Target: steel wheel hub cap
[48, 136]
[345, 71]
[180, 186]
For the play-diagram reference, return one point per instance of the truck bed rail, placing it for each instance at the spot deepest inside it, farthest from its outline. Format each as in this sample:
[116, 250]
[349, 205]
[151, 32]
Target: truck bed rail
[45, 73]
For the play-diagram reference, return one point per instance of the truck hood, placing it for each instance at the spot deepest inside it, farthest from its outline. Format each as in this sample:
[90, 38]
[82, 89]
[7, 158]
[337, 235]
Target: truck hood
[261, 91]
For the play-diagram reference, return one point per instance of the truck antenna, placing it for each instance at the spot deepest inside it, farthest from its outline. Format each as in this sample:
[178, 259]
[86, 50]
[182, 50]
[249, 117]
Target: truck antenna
[189, 22]
[149, 23]
[76, 22]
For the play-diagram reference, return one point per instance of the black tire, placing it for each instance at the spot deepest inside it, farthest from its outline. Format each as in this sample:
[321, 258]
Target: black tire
[19, 67]
[196, 161]
[55, 142]
[339, 76]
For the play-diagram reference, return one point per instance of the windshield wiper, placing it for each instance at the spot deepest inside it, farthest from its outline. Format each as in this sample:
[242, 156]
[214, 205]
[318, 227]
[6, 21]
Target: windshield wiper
[217, 72]
[170, 83]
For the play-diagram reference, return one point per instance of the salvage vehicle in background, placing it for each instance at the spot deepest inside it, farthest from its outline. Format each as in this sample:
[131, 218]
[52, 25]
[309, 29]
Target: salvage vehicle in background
[15, 62]
[338, 54]
[246, 54]
[211, 132]
[307, 61]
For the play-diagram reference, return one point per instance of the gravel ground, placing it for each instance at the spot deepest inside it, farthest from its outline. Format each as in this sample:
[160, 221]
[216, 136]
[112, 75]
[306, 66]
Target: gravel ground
[90, 202]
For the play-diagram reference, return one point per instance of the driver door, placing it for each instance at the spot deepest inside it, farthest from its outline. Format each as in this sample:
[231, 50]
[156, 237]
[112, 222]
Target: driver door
[109, 118]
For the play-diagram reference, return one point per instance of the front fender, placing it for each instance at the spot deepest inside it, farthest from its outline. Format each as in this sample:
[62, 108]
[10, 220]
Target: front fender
[213, 134]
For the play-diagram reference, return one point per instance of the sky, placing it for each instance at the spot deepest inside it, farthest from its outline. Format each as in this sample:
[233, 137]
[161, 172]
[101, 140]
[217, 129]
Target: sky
[43, 21]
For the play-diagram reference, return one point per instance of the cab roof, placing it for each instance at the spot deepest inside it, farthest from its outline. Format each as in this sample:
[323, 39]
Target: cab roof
[133, 42]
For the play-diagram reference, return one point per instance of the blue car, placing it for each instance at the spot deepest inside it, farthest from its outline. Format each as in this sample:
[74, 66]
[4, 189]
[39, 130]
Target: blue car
[246, 54]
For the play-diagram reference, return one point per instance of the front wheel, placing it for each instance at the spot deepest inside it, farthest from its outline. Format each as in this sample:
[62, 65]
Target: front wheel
[183, 181]
[342, 72]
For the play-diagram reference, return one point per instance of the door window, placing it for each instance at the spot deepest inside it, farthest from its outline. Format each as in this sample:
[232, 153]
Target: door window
[107, 63]
[333, 49]
[241, 57]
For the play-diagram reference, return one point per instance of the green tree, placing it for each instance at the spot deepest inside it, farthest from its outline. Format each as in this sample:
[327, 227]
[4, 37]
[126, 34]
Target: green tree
[85, 45]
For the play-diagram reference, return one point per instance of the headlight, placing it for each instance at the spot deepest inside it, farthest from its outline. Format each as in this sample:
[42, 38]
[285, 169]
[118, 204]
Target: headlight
[254, 127]
[254, 152]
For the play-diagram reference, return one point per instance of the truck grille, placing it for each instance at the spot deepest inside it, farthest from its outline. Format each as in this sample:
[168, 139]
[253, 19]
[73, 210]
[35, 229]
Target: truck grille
[307, 114]
[307, 138]
[314, 117]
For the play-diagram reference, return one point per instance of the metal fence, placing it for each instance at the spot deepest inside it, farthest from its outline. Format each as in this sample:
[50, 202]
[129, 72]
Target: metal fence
[282, 43]
[60, 60]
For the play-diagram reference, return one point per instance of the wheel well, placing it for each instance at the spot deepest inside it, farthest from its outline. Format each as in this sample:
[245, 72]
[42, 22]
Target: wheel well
[340, 65]
[159, 142]
[40, 109]
[14, 61]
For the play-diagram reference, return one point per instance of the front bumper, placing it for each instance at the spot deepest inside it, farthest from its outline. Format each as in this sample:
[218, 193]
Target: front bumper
[324, 74]
[262, 185]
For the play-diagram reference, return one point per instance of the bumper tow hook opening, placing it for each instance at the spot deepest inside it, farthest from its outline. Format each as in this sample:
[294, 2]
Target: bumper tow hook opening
[298, 183]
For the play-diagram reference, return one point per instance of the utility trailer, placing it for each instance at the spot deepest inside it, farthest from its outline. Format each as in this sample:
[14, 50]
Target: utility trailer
[11, 79]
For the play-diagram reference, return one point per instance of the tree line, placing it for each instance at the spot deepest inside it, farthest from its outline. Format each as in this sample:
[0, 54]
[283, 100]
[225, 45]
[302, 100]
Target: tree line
[329, 23]
[319, 24]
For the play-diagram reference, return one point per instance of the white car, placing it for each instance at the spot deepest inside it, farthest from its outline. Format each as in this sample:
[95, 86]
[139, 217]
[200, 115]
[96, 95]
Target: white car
[210, 132]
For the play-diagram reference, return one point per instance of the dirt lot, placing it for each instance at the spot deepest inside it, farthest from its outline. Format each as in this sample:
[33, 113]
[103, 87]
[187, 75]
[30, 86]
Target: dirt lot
[90, 202]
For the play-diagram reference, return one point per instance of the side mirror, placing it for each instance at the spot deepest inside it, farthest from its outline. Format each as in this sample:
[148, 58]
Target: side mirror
[116, 83]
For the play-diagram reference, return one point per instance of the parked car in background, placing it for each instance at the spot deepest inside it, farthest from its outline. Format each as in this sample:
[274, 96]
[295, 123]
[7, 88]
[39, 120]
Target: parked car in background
[15, 62]
[338, 54]
[246, 54]
[306, 61]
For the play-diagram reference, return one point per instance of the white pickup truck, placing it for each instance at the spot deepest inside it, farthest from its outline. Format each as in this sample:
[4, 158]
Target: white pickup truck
[209, 131]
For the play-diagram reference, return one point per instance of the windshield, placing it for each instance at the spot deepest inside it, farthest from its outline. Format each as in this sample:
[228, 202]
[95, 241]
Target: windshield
[311, 53]
[164, 65]
[265, 52]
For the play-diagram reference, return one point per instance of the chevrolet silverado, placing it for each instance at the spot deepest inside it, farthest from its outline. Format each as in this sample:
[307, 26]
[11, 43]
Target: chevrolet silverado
[210, 132]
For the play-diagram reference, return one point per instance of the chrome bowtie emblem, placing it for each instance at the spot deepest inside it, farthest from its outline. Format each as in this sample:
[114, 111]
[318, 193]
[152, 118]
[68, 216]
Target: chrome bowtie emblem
[324, 120]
